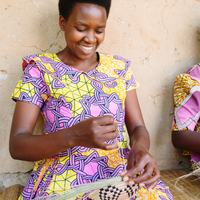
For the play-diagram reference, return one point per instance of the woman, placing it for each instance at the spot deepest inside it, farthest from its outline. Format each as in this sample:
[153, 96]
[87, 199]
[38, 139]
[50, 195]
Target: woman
[186, 126]
[86, 99]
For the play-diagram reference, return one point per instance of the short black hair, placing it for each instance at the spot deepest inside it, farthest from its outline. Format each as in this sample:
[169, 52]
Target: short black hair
[66, 6]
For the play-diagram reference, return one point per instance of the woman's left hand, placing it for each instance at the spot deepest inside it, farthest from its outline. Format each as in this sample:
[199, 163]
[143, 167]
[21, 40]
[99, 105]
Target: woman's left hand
[140, 159]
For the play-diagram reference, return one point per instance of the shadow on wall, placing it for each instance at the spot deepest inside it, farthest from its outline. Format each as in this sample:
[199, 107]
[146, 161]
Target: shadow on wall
[39, 129]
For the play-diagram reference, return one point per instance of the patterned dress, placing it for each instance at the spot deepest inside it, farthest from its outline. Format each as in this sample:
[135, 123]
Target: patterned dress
[187, 107]
[67, 96]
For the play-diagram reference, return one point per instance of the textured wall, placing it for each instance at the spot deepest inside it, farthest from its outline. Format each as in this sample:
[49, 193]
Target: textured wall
[162, 38]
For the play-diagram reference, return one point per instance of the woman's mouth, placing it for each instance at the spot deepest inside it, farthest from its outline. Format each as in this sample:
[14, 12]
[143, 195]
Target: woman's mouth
[86, 48]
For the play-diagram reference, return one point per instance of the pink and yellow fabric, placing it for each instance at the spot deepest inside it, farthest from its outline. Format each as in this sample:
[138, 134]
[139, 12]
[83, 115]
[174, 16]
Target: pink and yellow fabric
[67, 96]
[187, 106]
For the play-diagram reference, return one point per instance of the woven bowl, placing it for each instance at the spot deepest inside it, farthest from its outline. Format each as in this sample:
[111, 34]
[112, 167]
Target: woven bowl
[118, 191]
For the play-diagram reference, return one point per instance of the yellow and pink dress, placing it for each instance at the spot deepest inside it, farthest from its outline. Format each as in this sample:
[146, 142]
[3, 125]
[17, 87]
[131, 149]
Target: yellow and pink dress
[187, 107]
[67, 96]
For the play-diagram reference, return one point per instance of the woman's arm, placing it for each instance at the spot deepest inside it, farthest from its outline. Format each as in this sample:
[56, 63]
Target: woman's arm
[186, 140]
[24, 145]
[139, 156]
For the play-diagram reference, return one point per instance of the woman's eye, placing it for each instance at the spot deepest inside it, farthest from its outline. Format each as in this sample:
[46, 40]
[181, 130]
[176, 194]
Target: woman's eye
[80, 29]
[99, 31]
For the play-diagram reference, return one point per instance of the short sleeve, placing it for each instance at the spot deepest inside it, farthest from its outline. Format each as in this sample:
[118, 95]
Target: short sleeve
[186, 103]
[131, 82]
[31, 87]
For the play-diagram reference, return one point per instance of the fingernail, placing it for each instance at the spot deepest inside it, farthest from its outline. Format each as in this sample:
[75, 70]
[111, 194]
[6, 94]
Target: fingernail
[123, 173]
[126, 178]
[131, 182]
[141, 184]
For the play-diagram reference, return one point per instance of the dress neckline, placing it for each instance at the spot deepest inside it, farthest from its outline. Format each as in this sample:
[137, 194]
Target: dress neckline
[74, 69]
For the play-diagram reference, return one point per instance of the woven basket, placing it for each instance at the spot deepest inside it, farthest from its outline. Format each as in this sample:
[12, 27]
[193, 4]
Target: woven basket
[118, 191]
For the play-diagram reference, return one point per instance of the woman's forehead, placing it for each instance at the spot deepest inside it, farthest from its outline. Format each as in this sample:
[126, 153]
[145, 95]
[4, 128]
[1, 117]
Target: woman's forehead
[85, 11]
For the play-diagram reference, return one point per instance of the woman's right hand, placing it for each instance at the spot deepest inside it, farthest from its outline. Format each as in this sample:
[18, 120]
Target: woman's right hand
[94, 132]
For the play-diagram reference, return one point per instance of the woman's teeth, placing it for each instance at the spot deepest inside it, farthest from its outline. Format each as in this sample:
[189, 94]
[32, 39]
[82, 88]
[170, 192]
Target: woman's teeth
[86, 48]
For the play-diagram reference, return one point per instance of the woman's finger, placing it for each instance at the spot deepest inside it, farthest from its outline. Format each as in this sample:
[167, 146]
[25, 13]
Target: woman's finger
[106, 146]
[108, 129]
[153, 180]
[134, 169]
[142, 177]
[107, 137]
[105, 120]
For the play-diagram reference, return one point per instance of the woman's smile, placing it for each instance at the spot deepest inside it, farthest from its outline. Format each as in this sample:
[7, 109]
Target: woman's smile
[86, 48]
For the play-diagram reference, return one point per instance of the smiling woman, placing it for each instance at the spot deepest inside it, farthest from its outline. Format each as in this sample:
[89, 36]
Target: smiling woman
[87, 99]
[84, 32]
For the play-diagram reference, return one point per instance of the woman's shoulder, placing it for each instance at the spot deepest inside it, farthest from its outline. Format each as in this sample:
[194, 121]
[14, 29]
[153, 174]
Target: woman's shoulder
[116, 63]
[45, 57]
[186, 84]
[191, 76]
[46, 61]
[114, 58]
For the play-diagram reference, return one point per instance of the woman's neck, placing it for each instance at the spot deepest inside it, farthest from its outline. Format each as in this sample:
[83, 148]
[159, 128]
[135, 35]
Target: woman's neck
[79, 64]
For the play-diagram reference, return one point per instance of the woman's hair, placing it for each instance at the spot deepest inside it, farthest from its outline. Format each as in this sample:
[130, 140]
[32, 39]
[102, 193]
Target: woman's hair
[66, 6]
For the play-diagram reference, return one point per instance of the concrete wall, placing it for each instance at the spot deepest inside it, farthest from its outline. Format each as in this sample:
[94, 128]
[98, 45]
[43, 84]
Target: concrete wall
[162, 38]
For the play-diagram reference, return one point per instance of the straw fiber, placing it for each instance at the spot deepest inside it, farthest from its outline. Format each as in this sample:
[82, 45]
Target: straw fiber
[184, 189]
[11, 193]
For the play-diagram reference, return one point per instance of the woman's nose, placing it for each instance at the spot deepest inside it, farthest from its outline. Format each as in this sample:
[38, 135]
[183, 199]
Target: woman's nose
[90, 37]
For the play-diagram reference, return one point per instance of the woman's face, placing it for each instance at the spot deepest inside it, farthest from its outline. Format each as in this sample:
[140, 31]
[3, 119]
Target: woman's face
[84, 30]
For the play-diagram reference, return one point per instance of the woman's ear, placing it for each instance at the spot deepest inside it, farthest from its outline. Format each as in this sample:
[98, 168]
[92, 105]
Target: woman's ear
[62, 23]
